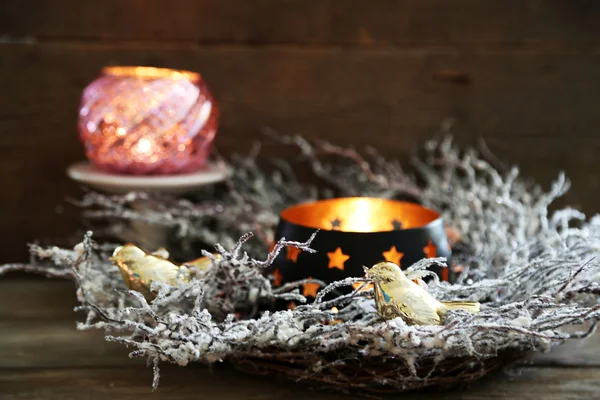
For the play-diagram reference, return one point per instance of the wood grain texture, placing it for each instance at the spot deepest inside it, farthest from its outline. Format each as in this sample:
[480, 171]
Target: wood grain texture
[527, 105]
[311, 22]
[37, 299]
[267, 21]
[58, 344]
[222, 383]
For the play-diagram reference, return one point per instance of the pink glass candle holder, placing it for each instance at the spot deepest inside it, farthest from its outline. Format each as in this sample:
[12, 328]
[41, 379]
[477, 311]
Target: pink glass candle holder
[147, 121]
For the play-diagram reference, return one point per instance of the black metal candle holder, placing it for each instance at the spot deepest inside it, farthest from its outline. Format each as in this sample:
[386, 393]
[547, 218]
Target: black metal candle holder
[357, 232]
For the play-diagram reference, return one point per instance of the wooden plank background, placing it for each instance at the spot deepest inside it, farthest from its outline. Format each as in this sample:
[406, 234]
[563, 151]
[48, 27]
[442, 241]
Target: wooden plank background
[522, 75]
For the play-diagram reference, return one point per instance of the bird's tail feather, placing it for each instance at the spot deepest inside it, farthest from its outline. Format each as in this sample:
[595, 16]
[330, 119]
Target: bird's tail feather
[470, 306]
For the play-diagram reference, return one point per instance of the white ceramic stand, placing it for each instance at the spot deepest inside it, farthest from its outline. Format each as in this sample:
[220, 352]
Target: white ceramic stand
[86, 174]
[149, 236]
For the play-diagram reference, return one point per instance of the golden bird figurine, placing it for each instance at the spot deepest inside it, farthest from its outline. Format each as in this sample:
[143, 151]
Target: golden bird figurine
[140, 269]
[398, 296]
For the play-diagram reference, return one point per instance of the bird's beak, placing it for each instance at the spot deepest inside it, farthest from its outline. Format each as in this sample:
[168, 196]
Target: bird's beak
[372, 275]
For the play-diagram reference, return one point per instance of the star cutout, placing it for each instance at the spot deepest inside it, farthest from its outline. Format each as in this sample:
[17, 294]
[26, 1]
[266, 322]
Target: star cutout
[396, 224]
[458, 269]
[452, 234]
[336, 223]
[393, 255]
[445, 274]
[277, 277]
[310, 289]
[356, 285]
[430, 250]
[337, 259]
[292, 254]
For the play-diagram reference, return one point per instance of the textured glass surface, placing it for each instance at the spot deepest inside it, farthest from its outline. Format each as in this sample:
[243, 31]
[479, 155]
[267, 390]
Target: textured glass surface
[147, 121]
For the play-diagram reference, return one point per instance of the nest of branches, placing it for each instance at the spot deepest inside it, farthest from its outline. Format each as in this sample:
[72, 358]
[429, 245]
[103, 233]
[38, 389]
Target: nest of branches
[534, 272]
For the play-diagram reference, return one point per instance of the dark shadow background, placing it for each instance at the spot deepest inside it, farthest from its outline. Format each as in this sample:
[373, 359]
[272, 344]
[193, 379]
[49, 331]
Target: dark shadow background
[522, 75]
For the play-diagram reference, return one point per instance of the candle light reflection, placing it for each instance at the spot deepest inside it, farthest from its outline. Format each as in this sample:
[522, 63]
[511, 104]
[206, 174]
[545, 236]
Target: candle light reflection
[360, 214]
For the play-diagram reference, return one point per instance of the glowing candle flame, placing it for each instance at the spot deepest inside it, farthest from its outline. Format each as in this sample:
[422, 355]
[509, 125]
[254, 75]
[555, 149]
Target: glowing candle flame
[359, 214]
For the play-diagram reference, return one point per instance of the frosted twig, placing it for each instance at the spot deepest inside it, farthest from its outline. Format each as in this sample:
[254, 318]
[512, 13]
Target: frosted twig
[533, 270]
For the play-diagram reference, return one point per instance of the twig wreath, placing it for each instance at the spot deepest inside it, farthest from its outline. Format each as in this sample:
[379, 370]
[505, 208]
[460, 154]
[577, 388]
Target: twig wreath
[533, 271]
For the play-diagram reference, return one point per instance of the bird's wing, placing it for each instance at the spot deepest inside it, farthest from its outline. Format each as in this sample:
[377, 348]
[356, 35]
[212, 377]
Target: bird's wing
[415, 307]
[387, 304]
[419, 308]
[157, 269]
[380, 300]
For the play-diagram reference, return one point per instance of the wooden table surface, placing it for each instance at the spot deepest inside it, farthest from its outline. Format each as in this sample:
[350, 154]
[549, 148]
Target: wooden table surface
[42, 356]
